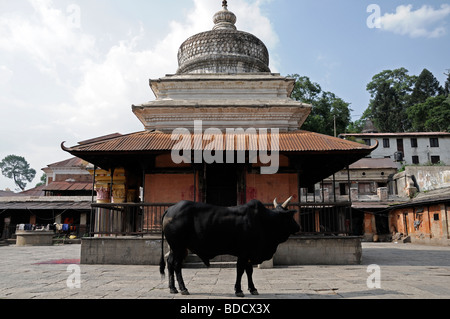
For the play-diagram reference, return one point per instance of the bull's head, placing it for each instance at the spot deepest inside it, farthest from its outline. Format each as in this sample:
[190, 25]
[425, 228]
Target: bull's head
[287, 217]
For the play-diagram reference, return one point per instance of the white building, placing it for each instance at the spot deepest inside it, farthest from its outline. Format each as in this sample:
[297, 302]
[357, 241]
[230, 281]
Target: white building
[410, 148]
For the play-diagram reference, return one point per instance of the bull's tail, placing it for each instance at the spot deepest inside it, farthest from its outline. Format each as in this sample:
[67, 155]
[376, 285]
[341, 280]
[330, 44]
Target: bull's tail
[162, 262]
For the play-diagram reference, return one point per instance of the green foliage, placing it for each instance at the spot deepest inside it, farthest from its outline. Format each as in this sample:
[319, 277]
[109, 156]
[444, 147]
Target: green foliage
[305, 90]
[356, 127]
[390, 91]
[17, 168]
[447, 86]
[399, 103]
[425, 87]
[402, 103]
[431, 116]
[43, 180]
[327, 107]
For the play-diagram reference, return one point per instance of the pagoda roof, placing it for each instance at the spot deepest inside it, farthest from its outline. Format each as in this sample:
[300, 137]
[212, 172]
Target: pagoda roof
[151, 141]
[314, 156]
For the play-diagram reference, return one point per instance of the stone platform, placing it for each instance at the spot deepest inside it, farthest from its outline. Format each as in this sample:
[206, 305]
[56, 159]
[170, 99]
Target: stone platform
[34, 238]
[296, 251]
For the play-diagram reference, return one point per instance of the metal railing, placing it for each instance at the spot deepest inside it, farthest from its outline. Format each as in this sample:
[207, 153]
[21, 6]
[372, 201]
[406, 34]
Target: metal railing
[127, 219]
[324, 218]
[145, 219]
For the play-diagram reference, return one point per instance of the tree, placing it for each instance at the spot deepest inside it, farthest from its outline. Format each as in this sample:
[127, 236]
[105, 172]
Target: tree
[439, 115]
[447, 85]
[390, 92]
[425, 87]
[327, 107]
[429, 109]
[356, 126]
[431, 116]
[305, 90]
[42, 181]
[17, 168]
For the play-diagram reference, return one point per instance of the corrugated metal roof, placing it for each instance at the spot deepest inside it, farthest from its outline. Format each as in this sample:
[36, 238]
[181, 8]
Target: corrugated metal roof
[71, 162]
[17, 205]
[370, 163]
[299, 141]
[408, 134]
[68, 186]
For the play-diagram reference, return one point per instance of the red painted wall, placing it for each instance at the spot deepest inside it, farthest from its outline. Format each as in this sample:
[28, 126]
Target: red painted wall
[268, 187]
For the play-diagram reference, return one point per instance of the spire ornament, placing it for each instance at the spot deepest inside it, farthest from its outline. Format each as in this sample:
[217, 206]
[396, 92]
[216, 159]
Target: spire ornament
[224, 19]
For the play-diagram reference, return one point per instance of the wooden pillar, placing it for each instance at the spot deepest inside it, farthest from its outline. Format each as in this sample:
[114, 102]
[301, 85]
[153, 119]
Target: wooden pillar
[195, 184]
[334, 187]
[349, 185]
[143, 186]
[111, 184]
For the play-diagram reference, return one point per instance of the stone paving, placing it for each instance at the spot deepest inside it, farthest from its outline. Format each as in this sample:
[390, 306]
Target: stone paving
[406, 271]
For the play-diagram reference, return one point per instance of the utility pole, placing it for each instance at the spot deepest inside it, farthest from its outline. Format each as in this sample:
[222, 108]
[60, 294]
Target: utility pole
[335, 129]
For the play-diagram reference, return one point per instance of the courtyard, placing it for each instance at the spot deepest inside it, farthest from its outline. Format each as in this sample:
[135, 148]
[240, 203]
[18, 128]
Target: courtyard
[402, 271]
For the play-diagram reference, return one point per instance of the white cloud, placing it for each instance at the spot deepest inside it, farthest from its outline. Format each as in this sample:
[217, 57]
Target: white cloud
[48, 38]
[109, 87]
[6, 75]
[424, 22]
[81, 89]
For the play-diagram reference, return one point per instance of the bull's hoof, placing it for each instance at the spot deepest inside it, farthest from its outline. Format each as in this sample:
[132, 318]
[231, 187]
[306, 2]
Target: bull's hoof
[173, 291]
[239, 294]
[185, 293]
[254, 292]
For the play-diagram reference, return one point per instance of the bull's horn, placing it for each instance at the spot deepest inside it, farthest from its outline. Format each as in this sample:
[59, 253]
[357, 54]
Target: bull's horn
[275, 204]
[286, 203]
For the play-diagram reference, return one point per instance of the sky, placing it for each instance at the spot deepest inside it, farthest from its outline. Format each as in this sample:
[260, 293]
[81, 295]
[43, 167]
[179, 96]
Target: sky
[71, 69]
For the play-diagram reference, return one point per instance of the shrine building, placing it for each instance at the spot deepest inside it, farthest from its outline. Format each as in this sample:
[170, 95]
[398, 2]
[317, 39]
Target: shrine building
[222, 130]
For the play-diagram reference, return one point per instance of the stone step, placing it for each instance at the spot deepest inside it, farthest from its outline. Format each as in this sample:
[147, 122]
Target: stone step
[201, 265]
[224, 258]
[193, 261]
[4, 242]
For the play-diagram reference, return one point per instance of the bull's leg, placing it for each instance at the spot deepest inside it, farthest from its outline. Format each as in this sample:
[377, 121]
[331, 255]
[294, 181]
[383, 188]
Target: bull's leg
[178, 266]
[251, 285]
[171, 269]
[240, 267]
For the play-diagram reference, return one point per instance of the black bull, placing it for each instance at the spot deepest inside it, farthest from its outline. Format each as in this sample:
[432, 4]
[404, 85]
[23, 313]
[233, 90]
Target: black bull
[249, 232]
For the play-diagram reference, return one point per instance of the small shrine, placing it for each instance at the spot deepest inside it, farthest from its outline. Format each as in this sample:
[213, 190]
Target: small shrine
[222, 130]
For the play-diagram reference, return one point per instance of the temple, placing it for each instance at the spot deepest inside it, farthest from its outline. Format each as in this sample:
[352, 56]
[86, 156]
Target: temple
[236, 134]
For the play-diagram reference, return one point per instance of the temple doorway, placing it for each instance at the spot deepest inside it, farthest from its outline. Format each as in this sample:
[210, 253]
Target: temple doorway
[221, 185]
